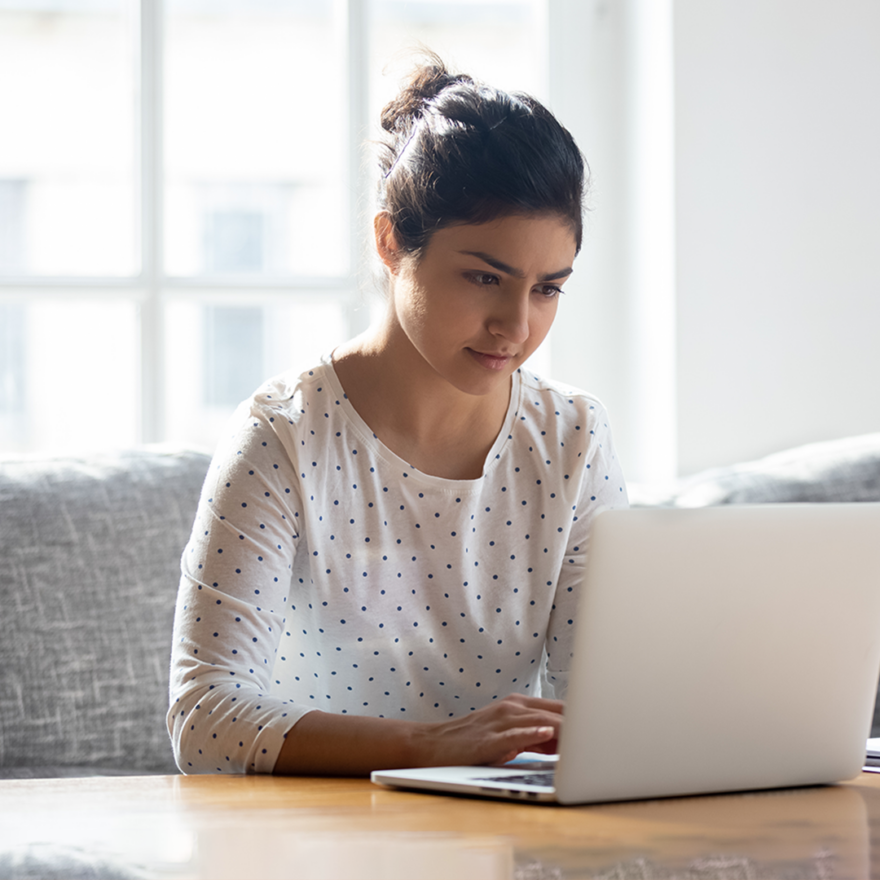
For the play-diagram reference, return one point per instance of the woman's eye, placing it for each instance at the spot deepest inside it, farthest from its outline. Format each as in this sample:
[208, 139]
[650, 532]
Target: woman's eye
[484, 279]
[550, 290]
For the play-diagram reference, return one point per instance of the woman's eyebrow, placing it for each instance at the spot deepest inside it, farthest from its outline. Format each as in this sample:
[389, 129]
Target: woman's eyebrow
[510, 270]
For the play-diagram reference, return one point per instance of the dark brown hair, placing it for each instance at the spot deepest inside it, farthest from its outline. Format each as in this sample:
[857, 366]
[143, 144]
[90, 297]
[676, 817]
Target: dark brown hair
[458, 151]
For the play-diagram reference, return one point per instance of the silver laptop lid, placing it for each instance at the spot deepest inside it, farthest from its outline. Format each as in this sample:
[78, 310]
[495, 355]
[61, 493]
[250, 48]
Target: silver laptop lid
[723, 649]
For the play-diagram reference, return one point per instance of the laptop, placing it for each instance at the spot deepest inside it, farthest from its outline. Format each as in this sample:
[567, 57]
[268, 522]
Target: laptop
[716, 649]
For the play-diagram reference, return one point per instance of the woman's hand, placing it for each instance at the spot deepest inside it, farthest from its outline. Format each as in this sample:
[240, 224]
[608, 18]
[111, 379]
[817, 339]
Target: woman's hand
[322, 744]
[494, 734]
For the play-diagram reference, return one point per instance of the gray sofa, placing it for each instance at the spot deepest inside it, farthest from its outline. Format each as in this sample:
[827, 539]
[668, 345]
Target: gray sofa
[89, 565]
[89, 552]
[837, 470]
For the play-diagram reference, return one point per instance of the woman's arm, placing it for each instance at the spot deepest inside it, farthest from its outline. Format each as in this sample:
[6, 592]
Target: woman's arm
[602, 486]
[345, 745]
[232, 604]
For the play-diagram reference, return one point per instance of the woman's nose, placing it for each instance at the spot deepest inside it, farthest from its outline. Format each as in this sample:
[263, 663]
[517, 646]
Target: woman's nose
[511, 319]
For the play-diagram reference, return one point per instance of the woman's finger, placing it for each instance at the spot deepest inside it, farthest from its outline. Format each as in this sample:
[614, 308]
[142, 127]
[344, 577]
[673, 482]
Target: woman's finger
[528, 739]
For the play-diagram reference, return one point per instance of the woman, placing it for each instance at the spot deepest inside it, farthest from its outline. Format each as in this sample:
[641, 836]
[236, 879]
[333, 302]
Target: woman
[384, 567]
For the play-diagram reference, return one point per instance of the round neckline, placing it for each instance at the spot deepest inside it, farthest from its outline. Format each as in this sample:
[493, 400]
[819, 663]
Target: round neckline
[371, 439]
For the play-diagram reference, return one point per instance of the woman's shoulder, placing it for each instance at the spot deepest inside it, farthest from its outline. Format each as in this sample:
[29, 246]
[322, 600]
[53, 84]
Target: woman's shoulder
[573, 427]
[558, 400]
[279, 410]
[291, 399]
[294, 388]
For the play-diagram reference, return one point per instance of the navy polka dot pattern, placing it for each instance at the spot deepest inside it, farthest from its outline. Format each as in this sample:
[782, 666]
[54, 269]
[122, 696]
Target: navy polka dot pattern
[324, 572]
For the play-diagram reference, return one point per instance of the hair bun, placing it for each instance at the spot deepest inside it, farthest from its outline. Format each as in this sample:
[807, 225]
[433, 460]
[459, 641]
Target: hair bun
[457, 151]
[427, 81]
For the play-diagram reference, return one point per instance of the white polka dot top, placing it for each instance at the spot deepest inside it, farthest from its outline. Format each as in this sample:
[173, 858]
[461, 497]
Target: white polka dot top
[324, 572]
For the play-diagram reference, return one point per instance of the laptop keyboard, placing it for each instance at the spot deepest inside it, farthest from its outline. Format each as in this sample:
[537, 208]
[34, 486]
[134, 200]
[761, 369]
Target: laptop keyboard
[545, 779]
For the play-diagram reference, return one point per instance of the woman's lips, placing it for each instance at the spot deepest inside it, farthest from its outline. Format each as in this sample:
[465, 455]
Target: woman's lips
[490, 361]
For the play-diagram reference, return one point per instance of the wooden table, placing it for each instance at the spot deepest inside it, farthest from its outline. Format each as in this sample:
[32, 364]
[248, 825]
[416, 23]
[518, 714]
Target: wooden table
[227, 827]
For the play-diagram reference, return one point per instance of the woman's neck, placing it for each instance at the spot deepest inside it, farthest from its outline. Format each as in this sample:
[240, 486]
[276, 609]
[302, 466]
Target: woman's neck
[415, 412]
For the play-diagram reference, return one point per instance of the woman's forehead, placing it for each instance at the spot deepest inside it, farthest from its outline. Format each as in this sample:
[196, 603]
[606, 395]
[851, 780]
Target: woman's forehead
[512, 240]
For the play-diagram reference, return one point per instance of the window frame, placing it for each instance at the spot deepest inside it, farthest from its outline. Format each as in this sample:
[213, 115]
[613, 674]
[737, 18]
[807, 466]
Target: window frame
[151, 288]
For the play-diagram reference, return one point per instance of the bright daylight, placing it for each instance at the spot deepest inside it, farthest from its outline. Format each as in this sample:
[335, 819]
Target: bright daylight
[439, 439]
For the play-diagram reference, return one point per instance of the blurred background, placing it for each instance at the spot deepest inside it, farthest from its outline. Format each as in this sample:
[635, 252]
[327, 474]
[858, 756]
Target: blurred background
[185, 203]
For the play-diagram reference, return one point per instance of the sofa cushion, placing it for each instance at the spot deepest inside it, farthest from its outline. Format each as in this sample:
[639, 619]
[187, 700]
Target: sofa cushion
[90, 551]
[837, 470]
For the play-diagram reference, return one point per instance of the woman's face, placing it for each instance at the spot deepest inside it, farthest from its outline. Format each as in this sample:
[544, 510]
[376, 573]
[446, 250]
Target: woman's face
[480, 298]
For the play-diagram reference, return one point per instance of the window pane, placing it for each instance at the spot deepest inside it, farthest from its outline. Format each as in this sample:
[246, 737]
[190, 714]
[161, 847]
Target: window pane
[256, 138]
[67, 151]
[233, 358]
[69, 374]
[12, 332]
[226, 350]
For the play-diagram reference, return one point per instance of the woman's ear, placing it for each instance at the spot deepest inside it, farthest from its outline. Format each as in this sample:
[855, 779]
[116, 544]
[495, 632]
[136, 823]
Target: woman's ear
[386, 242]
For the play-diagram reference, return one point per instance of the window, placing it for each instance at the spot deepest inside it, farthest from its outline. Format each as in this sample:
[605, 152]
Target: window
[233, 340]
[12, 224]
[183, 198]
[11, 358]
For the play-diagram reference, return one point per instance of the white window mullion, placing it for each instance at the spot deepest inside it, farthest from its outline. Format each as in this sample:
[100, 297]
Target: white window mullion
[151, 154]
[357, 314]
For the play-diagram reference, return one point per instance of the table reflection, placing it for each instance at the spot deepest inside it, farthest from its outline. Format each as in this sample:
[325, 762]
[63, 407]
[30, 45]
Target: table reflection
[790, 835]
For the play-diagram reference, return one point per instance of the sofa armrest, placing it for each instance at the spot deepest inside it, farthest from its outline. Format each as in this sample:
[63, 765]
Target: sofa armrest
[91, 548]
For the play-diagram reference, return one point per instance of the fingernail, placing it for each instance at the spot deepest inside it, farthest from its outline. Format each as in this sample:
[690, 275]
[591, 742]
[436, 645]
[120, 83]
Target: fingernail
[545, 731]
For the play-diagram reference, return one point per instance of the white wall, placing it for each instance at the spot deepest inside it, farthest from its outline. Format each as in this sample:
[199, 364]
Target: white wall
[777, 168]
[727, 302]
[611, 85]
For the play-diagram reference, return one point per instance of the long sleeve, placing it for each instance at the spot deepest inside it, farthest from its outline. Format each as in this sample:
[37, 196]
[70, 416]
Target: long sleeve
[602, 487]
[232, 606]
